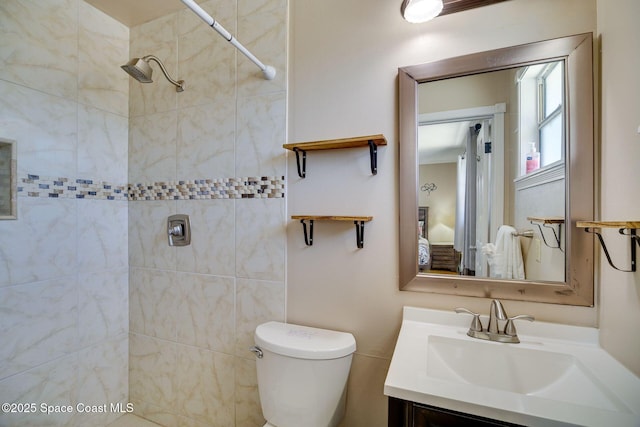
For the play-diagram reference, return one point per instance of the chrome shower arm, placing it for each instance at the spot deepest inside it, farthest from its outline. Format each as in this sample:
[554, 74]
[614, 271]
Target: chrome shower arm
[178, 83]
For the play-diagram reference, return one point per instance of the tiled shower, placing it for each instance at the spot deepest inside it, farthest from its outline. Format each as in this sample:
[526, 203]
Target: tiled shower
[95, 307]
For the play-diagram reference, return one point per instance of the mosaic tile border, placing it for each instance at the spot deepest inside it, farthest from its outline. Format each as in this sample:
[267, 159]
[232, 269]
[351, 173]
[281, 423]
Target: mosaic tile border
[67, 188]
[199, 189]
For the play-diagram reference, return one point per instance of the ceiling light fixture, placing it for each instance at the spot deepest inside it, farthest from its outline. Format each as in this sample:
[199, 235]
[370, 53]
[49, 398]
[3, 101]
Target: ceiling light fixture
[417, 11]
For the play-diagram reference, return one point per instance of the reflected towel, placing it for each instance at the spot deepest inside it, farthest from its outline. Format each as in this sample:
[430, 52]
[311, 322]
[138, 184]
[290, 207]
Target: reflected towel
[505, 256]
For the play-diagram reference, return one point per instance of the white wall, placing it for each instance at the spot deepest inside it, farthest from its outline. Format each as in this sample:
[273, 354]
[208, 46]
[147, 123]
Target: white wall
[344, 61]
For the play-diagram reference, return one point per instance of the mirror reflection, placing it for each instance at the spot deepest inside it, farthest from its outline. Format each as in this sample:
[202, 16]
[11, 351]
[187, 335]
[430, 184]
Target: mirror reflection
[536, 182]
[491, 174]
[7, 179]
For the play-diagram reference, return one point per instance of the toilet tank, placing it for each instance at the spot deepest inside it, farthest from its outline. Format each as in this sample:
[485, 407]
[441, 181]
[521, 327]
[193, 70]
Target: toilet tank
[302, 374]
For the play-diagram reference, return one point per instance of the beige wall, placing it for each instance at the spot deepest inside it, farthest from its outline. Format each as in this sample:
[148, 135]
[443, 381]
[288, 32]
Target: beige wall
[620, 292]
[442, 202]
[343, 68]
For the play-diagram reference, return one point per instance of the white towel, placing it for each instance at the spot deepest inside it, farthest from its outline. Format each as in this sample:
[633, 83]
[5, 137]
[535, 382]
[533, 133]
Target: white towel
[505, 256]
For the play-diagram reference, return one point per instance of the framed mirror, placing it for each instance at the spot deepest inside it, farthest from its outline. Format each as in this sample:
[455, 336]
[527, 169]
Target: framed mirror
[8, 179]
[499, 147]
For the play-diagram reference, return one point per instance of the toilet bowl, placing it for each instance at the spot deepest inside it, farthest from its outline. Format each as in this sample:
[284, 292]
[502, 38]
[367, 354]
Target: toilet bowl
[302, 374]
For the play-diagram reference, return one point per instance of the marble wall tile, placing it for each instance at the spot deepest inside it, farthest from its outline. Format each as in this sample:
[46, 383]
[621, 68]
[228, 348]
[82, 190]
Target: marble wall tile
[212, 237]
[60, 83]
[153, 303]
[264, 33]
[148, 241]
[260, 239]
[206, 60]
[152, 147]
[248, 409]
[261, 131]
[103, 306]
[223, 11]
[162, 415]
[206, 140]
[191, 422]
[102, 235]
[153, 33]
[158, 38]
[152, 371]
[53, 383]
[39, 323]
[44, 126]
[206, 386]
[103, 45]
[103, 145]
[250, 7]
[160, 95]
[41, 244]
[39, 45]
[206, 315]
[228, 123]
[256, 302]
[103, 378]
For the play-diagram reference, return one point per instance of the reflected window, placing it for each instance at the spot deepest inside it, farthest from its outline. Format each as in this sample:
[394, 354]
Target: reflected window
[550, 120]
[541, 105]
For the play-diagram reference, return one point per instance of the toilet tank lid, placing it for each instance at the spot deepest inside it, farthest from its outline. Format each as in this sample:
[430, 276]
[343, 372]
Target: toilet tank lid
[304, 342]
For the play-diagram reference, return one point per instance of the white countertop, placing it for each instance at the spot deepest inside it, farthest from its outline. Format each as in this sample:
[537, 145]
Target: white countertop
[595, 391]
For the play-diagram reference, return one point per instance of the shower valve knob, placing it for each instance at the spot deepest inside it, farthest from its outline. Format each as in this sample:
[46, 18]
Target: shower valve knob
[179, 230]
[176, 230]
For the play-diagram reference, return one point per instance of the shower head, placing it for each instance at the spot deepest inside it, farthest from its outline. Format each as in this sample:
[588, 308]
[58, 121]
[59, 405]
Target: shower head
[140, 69]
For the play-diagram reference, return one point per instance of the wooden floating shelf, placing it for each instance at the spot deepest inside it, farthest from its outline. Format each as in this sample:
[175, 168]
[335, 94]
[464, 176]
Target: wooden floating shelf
[549, 222]
[609, 224]
[371, 141]
[546, 220]
[336, 144]
[357, 220]
[625, 228]
[332, 218]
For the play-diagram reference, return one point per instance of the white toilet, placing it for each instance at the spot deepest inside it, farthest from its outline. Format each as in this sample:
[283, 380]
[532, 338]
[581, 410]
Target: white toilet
[302, 374]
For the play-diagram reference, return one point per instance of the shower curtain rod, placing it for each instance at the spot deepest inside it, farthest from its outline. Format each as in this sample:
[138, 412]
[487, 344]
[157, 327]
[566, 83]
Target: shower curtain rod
[267, 70]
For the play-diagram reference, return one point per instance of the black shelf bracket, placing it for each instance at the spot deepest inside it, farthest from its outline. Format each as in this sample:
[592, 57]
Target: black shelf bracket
[302, 172]
[557, 236]
[633, 237]
[373, 154]
[308, 232]
[359, 233]
[308, 238]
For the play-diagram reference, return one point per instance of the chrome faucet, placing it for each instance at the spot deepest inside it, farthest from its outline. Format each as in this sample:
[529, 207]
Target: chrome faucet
[496, 312]
[493, 333]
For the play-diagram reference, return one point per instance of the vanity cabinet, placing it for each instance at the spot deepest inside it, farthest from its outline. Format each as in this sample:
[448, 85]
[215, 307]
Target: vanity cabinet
[403, 413]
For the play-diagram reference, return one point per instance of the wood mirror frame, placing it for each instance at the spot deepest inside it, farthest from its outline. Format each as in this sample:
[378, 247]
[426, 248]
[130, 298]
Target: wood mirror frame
[578, 287]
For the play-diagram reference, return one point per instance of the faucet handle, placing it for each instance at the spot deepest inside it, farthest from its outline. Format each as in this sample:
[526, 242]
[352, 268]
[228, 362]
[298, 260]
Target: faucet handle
[509, 327]
[476, 324]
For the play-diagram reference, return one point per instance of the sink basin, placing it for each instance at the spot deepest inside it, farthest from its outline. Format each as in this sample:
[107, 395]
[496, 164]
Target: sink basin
[511, 368]
[557, 376]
